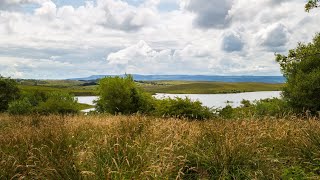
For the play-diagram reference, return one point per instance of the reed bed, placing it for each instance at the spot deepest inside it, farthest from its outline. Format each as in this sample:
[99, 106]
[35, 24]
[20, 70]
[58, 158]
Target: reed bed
[138, 147]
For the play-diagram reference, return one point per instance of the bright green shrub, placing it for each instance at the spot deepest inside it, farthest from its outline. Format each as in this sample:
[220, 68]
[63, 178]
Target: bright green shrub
[58, 103]
[20, 107]
[44, 103]
[121, 95]
[265, 107]
[8, 92]
[182, 108]
[227, 112]
[271, 107]
[36, 97]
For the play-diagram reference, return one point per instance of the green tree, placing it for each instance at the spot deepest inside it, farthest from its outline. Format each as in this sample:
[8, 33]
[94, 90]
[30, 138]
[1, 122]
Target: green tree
[301, 67]
[121, 95]
[312, 4]
[8, 92]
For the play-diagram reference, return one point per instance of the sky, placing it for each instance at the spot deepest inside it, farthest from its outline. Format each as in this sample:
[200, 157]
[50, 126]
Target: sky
[58, 39]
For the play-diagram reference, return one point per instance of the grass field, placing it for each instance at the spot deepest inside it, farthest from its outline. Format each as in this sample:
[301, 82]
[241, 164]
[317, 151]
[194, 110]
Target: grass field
[137, 147]
[185, 87]
[77, 91]
[173, 87]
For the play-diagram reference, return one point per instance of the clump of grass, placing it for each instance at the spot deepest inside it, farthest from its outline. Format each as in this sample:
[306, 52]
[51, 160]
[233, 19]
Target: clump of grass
[138, 147]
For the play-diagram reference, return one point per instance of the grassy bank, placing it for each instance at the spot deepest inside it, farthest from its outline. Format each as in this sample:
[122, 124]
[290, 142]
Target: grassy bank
[186, 87]
[122, 147]
[173, 87]
[77, 90]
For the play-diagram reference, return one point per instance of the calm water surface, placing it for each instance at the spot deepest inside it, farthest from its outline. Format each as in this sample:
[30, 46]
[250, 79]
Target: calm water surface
[210, 100]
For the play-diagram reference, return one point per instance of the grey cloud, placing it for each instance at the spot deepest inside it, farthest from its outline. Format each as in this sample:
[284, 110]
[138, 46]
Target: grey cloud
[15, 4]
[275, 37]
[125, 25]
[210, 14]
[232, 42]
[122, 16]
[278, 2]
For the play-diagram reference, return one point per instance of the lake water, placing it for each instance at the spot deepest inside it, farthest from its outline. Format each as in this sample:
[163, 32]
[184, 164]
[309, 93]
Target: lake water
[210, 100]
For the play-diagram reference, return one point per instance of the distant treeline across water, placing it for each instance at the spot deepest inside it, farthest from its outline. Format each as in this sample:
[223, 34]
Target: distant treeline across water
[262, 79]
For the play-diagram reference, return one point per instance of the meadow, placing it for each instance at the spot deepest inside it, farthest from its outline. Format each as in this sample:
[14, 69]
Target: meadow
[139, 147]
[78, 88]
[193, 87]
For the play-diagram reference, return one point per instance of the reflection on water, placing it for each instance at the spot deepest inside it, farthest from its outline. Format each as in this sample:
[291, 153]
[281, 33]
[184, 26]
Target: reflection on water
[210, 100]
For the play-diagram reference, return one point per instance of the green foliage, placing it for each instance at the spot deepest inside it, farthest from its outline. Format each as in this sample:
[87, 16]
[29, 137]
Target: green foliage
[266, 107]
[312, 4]
[227, 112]
[182, 108]
[58, 103]
[245, 103]
[302, 69]
[20, 107]
[271, 107]
[8, 92]
[121, 95]
[44, 103]
[294, 173]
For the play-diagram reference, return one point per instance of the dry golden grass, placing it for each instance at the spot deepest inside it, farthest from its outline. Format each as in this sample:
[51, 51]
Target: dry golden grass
[137, 147]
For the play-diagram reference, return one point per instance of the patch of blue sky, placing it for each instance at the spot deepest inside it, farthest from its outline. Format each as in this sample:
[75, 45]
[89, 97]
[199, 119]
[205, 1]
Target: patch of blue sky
[74, 3]
[168, 6]
[29, 8]
[135, 2]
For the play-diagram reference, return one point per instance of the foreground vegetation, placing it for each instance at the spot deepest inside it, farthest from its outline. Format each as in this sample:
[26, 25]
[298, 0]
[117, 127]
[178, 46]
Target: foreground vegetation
[138, 147]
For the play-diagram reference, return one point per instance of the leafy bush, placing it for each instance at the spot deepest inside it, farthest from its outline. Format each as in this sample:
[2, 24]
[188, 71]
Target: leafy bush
[182, 108]
[36, 97]
[44, 103]
[58, 103]
[271, 107]
[227, 112]
[302, 69]
[20, 107]
[265, 107]
[245, 103]
[121, 95]
[8, 92]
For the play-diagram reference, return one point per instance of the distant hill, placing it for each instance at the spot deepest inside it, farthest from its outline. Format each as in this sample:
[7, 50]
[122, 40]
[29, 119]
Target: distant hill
[137, 77]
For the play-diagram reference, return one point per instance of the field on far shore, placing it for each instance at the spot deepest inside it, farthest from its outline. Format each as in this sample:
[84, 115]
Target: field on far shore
[138, 147]
[191, 87]
[83, 88]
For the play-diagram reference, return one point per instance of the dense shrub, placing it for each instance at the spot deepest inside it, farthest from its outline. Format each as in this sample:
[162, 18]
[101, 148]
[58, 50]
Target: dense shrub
[121, 95]
[8, 92]
[36, 97]
[302, 70]
[271, 107]
[182, 108]
[58, 103]
[266, 107]
[227, 112]
[20, 107]
[44, 103]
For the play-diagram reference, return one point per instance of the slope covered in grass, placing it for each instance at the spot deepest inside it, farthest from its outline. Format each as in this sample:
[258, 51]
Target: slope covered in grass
[184, 87]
